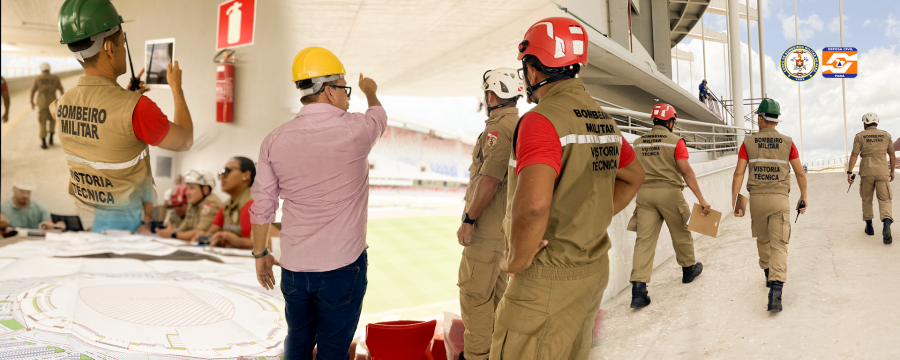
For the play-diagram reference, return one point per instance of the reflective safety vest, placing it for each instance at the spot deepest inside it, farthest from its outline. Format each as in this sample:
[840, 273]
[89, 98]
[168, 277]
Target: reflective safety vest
[656, 151]
[768, 154]
[582, 205]
[108, 166]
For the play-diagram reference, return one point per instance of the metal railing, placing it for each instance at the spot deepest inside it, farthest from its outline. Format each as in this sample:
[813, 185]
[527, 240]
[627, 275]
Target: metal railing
[836, 161]
[714, 104]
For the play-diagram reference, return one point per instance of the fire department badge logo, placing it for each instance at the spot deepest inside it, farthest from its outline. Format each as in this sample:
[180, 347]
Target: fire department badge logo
[492, 139]
[799, 63]
[840, 62]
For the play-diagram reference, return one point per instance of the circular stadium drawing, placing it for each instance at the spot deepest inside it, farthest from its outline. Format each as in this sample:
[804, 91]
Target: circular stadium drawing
[157, 305]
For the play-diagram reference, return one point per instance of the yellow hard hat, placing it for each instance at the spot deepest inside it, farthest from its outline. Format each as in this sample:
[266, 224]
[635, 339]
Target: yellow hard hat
[314, 62]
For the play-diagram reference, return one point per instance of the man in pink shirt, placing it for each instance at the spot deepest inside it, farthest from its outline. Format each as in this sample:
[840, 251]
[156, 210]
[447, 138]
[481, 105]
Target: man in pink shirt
[318, 163]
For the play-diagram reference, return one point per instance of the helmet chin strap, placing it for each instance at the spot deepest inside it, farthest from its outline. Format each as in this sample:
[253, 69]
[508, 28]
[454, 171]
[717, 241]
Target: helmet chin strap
[530, 89]
[495, 107]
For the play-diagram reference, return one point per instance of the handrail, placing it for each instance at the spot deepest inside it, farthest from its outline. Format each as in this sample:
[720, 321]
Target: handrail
[646, 117]
[717, 171]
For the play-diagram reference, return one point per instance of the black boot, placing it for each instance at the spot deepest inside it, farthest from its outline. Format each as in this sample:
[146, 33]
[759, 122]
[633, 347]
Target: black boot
[43, 143]
[639, 295]
[768, 283]
[51, 140]
[869, 229]
[690, 272]
[775, 296]
[461, 356]
[887, 231]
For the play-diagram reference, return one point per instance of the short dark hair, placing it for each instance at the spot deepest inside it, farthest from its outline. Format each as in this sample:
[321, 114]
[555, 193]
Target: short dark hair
[247, 165]
[311, 98]
[658, 121]
[84, 44]
[765, 115]
[569, 70]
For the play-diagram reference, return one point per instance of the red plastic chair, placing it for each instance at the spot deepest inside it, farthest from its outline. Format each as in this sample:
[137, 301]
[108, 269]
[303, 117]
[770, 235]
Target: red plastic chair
[400, 340]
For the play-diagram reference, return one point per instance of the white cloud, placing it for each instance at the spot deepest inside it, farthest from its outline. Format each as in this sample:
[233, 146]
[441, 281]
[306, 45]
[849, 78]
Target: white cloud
[807, 28]
[823, 123]
[835, 24]
[867, 22]
[892, 26]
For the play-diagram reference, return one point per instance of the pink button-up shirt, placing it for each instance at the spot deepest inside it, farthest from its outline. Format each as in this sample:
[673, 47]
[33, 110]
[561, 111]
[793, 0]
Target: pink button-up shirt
[318, 163]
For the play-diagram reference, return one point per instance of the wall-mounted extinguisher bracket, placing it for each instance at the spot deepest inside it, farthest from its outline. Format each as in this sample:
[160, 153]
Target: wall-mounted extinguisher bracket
[225, 85]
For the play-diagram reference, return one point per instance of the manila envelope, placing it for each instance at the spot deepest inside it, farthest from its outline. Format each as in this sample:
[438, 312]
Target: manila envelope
[741, 203]
[708, 225]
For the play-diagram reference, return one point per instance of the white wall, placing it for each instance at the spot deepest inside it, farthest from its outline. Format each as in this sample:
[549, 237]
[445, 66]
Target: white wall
[263, 87]
[716, 189]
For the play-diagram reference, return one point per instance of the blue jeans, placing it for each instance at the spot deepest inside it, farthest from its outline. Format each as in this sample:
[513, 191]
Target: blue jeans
[323, 308]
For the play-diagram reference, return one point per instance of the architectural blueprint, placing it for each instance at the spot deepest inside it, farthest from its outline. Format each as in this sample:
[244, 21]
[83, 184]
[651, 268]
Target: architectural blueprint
[55, 308]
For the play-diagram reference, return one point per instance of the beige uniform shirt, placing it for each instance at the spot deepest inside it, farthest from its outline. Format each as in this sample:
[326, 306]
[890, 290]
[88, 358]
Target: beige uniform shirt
[46, 86]
[873, 146]
[490, 157]
[201, 215]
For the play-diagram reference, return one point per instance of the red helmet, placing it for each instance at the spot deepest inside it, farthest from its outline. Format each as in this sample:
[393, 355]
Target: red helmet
[663, 112]
[556, 41]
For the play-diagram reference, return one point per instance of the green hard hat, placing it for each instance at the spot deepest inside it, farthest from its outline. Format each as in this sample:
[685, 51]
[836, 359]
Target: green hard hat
[81, 19]
[769, 106]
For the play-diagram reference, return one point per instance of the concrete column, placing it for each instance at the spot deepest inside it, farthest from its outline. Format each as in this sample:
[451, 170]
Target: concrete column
[662, 45]
[762, 51]
[618, 23]
[737, 94]
[750, 56]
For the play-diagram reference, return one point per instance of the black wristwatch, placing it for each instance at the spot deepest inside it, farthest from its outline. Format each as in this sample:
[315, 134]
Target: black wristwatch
[173, 234]
[467, 220]
[849, 173]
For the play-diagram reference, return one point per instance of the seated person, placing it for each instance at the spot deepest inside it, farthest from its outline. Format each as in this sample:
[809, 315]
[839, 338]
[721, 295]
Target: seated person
[22, 212]
[179, 205]
[4, 222]
[203, 207]
[231, 227]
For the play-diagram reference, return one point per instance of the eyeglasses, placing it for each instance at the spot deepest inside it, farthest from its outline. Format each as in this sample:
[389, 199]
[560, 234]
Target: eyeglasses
[224, 172]
[347, 89]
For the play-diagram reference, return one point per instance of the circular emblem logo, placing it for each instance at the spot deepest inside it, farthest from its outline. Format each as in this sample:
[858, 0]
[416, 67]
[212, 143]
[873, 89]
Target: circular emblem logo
[799, 63]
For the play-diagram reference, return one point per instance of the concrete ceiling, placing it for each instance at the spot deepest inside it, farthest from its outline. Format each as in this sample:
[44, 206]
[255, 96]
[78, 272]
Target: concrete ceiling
[30, 26]
[684, 15]
[410, 45]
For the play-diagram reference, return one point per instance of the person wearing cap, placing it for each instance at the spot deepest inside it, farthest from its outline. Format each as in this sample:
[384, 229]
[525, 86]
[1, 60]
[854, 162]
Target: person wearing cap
[876, 172]
[770, 156]
[704, 90]
[4, 93]
[231, 227]
[106, 131]
[664, 157]
[318, 164]
[22, 212]
[179, 205]
[45, 85]
[570, 172]
[203, 207]
[481, 283]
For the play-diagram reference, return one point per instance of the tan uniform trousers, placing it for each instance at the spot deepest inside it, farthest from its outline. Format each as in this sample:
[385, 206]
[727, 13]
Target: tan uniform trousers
[654, 205]
[551, 316]
[48, 124]
[770, 216]
[481, 286]
[880, 185]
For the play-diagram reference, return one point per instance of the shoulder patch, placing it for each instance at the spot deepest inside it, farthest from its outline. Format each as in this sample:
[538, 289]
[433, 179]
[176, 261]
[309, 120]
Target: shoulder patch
[206, 208]
[492, 138]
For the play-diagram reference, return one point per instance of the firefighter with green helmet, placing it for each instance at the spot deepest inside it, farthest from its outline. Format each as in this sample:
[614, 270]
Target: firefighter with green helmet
[106, 130]
[769, 156]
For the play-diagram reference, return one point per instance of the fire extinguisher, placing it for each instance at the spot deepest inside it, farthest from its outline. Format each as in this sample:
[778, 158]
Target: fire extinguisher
[225, 86]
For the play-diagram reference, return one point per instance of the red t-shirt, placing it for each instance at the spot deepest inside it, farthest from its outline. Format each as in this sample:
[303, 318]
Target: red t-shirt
[3, 87]
[794, 153]
[245, 219]
[150, 124]
[538, 143]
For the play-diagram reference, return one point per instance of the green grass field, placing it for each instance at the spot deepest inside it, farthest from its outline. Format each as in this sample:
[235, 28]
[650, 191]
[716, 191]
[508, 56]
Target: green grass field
[413, 267]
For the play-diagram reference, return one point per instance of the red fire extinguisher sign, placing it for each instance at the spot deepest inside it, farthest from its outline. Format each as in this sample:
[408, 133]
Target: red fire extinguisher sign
[225, 92]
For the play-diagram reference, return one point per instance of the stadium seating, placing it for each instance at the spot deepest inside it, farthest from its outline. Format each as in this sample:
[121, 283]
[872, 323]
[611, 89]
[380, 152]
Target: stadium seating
[408, 153]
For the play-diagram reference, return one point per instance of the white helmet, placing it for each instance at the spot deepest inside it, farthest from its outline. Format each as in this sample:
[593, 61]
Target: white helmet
[200, 178]
[504, 82]
[870, 118]
[45, 67]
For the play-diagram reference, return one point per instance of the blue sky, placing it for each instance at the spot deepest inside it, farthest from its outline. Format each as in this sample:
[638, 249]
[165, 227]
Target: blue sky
[871, 26]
